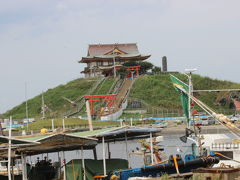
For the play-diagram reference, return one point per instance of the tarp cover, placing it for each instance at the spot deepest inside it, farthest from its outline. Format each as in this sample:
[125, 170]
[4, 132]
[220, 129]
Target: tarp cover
[74, 169]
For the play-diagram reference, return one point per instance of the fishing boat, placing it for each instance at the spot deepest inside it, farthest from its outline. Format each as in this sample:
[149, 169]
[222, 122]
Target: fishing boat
[225, 148]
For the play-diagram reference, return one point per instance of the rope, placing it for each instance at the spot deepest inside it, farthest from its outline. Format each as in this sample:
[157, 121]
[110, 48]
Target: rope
[217, 153]
[176, 164]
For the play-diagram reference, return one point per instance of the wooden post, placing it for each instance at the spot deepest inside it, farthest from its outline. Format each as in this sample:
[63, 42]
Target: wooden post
[109, 153]
[126, 148]
[95, 153]
[63, 124]
[64, 165]
[52, 125]
[89, 116]
[151, 146]
[24, 168]
[83, 164]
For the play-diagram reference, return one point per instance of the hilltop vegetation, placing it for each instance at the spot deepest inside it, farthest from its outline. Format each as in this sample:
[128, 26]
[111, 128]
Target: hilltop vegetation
[53, 98]
[155, 90]
[158, 91]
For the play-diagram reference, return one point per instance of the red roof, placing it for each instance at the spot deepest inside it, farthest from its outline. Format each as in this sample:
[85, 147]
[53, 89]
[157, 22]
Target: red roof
[237, 105]
[101, 49]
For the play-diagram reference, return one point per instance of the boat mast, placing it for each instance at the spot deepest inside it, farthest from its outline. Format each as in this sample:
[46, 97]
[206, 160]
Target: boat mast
[190, 94]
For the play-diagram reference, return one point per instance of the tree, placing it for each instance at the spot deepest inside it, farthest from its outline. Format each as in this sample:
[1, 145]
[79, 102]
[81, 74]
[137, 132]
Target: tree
[156, 70]
[122, 72]
[131, 63]
[145, 66]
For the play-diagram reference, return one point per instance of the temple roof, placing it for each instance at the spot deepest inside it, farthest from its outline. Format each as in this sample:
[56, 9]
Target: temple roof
[103, 49]
[99, 52]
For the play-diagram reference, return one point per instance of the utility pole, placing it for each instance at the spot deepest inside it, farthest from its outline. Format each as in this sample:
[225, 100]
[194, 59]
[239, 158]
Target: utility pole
[43, 107]
[9, 148]
[26, 105]
[114, 67]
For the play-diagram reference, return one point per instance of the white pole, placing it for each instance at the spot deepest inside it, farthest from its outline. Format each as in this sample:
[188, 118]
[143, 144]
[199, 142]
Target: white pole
[63, 124]
[24, 169]
[114, 67]
[26, 105]
[189, 98]
[43, 107]
[151, 146]
[89, 116]
[131, 122]
[9, 149]
[104, 158]
[83, 164]
[52, 124]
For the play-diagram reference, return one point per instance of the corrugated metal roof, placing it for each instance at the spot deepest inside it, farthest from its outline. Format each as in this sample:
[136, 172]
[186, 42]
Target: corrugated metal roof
[94, 132]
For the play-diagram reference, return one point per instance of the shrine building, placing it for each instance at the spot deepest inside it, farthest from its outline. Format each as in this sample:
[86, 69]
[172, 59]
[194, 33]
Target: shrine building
[102, 59]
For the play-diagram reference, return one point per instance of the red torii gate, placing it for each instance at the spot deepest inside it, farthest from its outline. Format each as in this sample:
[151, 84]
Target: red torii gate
[133, 68]
[110, 98]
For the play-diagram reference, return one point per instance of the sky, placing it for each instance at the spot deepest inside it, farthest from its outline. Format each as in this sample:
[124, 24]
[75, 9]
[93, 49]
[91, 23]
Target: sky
[41, 41]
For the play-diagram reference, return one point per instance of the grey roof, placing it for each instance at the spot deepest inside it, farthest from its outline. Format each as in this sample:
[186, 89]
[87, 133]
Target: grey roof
[129, 132]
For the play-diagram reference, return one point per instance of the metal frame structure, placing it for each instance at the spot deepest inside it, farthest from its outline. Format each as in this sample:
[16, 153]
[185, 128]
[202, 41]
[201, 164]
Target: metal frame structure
[109, 98]
[133, 68]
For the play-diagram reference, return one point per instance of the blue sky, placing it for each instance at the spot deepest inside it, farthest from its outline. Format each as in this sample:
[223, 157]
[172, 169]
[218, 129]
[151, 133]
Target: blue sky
[41, 40]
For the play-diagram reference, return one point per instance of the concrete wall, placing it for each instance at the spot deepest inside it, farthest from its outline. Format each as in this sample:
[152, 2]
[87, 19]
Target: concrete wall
[116, 115]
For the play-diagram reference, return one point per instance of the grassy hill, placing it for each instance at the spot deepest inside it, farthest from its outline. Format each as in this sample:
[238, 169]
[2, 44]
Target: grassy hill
[155, 90]
[53, 98]
[158, 91]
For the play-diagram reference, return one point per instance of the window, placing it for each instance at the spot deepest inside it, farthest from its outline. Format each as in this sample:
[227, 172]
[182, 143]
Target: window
[110, 63]
[99, 63]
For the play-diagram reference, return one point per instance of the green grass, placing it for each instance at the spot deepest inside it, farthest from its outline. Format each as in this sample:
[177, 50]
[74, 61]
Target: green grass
[74, 123]
[53, 99]
[69, 123]
[156, 90]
